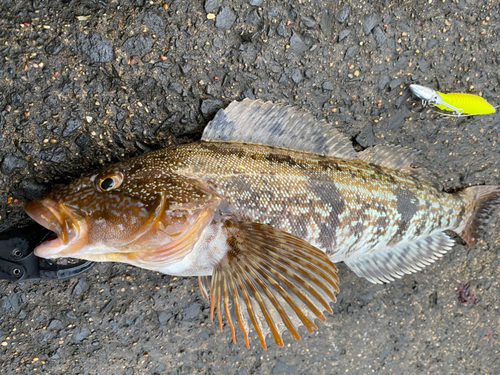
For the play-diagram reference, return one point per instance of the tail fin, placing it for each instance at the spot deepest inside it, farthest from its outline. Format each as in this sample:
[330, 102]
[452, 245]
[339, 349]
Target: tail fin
[481, 203]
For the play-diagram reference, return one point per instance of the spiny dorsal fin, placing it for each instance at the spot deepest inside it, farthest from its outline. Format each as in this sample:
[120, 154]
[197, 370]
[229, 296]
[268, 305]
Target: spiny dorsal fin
[271, 279]
[405, 258]
[266, 123]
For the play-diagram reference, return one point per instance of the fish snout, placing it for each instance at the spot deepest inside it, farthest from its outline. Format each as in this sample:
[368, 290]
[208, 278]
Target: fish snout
[69, 226]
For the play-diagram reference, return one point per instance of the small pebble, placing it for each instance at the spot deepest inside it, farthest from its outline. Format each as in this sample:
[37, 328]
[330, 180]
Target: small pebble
[342, 14]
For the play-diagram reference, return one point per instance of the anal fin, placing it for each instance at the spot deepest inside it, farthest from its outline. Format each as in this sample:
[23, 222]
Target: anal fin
[405, 258]
[271, 279]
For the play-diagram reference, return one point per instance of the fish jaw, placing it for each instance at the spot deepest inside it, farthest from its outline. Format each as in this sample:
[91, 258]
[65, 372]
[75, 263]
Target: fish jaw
[69, 226]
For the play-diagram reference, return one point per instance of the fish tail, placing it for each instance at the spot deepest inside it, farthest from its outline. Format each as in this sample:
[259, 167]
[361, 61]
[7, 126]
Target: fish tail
[481, 203]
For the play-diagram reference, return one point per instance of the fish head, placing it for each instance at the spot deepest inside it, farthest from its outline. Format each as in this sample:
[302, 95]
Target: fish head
[425, 93]
[132, 213]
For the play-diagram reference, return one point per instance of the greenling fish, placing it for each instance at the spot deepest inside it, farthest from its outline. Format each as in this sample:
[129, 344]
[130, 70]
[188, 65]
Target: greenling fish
[264, 204]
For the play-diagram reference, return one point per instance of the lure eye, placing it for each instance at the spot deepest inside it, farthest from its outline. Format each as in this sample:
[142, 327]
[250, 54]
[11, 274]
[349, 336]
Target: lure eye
[109, 182]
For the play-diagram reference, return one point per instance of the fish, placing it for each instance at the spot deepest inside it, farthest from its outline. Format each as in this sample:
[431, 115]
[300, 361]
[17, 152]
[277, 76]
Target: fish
[260, 209]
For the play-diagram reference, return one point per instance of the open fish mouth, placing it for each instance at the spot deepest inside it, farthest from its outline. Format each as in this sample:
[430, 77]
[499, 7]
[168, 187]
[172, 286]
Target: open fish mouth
[70, 227]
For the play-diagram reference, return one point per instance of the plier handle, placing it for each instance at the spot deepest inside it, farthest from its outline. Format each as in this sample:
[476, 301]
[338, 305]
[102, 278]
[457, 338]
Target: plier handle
[19, 263]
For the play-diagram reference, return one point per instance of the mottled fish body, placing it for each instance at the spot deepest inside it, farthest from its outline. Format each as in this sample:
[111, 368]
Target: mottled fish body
[264, 204]
[346, 208]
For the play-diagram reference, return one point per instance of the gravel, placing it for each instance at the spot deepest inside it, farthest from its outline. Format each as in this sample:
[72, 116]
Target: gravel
[296, 75]
[343, 34]
[351, 52]
[255, 3]
[297, 45]
[138, 45]
[210, 107]
[54, 46]
[369, 22]
[94, 47]
[225, 19]
[10, 163]
[342, 14]
[379, 36]
[326, 22]
[211, 5]
[71, 126]
[155, 24]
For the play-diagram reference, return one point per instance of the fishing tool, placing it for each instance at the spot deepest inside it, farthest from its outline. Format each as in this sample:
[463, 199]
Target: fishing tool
[459, 103]
[19, 263]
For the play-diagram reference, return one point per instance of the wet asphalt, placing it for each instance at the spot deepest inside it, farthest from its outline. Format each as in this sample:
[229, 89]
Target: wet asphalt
[87, 83]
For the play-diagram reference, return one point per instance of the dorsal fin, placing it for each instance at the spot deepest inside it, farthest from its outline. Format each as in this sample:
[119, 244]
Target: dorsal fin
[392, 157]
[397, 158]
[266, 123]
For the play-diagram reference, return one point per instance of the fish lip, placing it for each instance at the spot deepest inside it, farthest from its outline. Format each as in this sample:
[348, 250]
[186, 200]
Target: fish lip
[44, 214]
[69, 226]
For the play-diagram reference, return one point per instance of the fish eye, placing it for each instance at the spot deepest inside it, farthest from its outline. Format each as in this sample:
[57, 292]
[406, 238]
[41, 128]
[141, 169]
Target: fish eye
[109, 182]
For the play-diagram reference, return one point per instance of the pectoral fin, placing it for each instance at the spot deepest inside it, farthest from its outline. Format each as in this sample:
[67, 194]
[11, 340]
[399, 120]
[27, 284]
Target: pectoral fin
[272, 279]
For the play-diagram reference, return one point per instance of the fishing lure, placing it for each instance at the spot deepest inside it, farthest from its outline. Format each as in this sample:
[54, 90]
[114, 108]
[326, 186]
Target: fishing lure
[459, 103]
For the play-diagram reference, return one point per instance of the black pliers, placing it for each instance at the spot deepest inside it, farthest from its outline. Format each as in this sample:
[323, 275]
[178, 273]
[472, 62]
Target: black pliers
[19, 263]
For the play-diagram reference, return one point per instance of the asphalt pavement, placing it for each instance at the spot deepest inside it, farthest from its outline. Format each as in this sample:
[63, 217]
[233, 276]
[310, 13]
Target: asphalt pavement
[87, 83]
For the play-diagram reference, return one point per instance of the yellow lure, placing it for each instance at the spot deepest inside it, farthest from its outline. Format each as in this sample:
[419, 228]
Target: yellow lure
[459, 103]
[469, 104]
